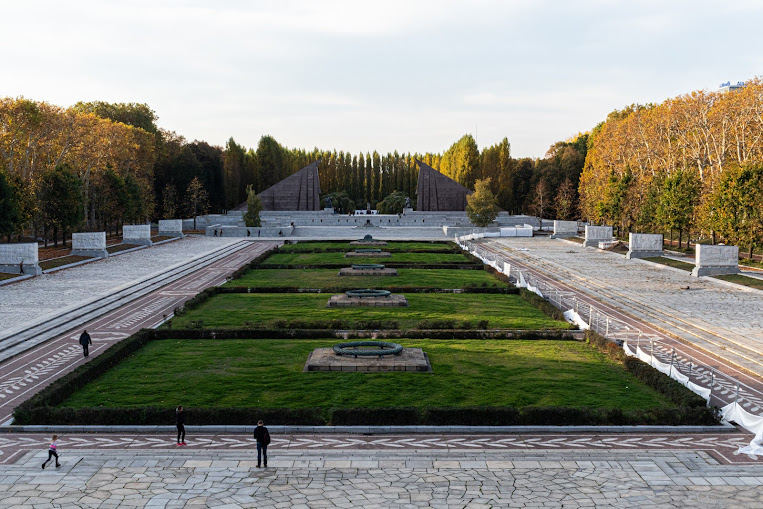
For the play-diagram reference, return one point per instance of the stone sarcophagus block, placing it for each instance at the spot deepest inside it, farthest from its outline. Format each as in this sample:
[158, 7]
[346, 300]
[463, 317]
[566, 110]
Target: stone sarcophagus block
[171, 227]
[644, 245]
[20, 259]
[596, 234]
[89, 244]
[138, 234]
[564, 229]
[715, 260]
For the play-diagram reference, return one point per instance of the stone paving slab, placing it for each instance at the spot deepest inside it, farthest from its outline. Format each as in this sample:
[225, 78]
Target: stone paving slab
[408, 479]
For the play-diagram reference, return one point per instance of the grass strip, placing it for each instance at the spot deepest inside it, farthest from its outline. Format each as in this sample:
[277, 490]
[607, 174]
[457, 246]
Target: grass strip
[743, 280]
[309, 311]
[671, 263]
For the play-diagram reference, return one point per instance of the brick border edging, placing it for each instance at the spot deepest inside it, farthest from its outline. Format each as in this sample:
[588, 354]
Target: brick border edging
[374, 430]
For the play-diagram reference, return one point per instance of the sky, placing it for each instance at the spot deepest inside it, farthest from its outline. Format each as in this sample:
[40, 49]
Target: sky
[411, 76]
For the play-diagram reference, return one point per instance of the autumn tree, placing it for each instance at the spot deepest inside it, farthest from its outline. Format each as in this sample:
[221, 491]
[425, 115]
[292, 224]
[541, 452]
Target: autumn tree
[61, 198]
[197, 199]
[253, 208]
[737, 206]
[564, 202]
[10, 207]
[481, 205]
[541, 200]
[392, 204]
[675, 209]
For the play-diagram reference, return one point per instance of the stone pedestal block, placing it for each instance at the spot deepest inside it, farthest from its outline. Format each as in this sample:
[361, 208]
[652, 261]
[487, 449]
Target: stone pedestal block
[345, 301]
[715, 260]
[644, 245]
[91, 244]
[138, 234]
[565, 229]
[410, 359]
[352, 271]
[20, 259]
[596, 234]
[171, 227]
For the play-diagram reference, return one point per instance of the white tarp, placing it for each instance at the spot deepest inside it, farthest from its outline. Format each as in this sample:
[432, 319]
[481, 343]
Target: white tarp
[571, 316]
[535, 290]
[669, 370]
[753, 423]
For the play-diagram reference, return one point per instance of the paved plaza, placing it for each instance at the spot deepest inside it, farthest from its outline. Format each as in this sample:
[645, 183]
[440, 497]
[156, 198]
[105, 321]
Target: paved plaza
[350, 478]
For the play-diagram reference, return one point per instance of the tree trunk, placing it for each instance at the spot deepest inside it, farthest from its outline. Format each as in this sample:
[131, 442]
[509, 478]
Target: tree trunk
[752, 245]
[680, 234]
[45, 235]
[671, 239]
[55, 236]
[713, 235]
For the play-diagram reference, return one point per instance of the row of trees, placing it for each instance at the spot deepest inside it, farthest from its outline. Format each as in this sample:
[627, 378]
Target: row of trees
[130, 170]
[692, 163]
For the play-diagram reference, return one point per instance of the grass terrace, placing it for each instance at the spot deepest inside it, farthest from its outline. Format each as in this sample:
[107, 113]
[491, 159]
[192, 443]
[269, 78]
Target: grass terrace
[324, 247]
[328, 278]
[337, 259]
[268, 374]
[283, 310]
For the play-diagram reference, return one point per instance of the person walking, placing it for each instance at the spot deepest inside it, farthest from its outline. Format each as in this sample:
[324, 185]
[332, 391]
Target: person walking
[85, 341]
[180, 423]
[52, 452]
[263, 439]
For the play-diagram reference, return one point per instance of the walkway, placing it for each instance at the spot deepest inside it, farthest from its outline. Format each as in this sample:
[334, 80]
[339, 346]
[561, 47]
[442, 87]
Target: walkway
[300, 479]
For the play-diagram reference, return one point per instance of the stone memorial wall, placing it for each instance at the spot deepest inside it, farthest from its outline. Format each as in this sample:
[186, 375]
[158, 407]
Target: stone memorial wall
[715, 260]
[644, 245]
[138, 234]
[19, 259]
[565, 229]
[596, 234]
[171, 227]
[89, 244]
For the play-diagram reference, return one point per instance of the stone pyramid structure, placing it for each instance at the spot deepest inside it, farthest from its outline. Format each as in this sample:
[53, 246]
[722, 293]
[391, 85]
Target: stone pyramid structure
[299, 191]
[436, 192]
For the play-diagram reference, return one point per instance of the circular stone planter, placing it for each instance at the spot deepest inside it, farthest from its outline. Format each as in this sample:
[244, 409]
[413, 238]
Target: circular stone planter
[383, 348]
[368, 294]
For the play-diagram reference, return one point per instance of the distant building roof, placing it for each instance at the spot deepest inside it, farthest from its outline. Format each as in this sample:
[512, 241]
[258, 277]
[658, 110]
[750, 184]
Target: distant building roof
[727, 87]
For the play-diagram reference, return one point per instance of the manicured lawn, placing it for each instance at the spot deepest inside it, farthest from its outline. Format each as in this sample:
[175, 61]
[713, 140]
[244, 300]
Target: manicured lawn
[268, 374]
[743, 280]
[4, 275]
[305, 247]
[339, 258]
[671, 263]
[264, 310]
[66, 260]
[328, 278]
[120, 247]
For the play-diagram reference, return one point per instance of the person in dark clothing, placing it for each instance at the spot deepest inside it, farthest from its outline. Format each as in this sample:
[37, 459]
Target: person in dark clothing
[85, 341]
[262, 436]
[180, 423]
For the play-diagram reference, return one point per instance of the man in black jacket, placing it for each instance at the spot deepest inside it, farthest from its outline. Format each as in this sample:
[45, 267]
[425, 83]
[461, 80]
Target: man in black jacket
[85, 341]
[180, 423]
[263, 439]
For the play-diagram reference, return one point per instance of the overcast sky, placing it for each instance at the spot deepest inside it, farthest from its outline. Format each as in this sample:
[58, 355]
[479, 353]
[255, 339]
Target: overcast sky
[412, 76]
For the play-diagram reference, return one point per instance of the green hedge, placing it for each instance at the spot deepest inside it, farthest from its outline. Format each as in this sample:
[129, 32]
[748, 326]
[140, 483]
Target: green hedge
[389, 265]
[393, 289]
[662, 383]
[539, 302]
[389, 416]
